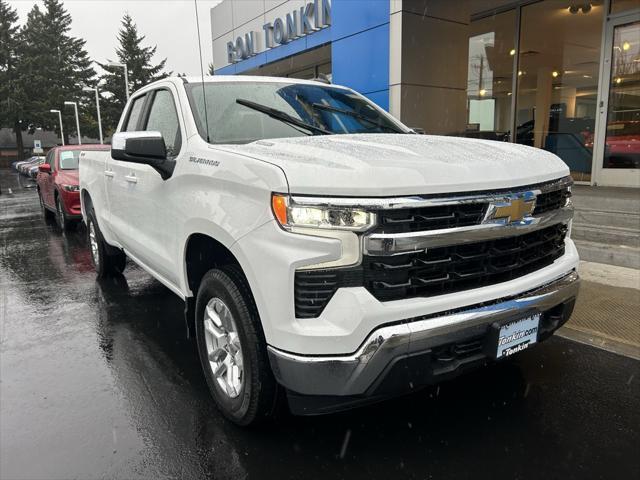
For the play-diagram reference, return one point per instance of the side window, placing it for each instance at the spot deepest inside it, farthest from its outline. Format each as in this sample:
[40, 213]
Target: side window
[134, 114]
[163, 118]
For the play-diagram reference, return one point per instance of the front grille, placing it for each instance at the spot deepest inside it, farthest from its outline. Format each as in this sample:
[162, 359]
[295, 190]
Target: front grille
[435, 272]
[420, 219]
[545, 202]
[461, 267]
[406, 220]
[441, 270]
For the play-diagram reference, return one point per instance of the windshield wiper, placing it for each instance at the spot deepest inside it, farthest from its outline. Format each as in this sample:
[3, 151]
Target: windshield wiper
[282, 116]
[357, 115]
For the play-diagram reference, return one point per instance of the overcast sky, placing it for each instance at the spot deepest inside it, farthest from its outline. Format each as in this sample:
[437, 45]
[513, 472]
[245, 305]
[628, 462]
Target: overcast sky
[169, 24]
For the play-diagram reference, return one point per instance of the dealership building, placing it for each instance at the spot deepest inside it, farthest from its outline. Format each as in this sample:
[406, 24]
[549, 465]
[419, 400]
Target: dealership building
[563, 75]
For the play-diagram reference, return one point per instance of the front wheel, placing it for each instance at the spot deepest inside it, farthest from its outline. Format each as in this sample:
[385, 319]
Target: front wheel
[232, 348]
[61, 216]
[104, 261]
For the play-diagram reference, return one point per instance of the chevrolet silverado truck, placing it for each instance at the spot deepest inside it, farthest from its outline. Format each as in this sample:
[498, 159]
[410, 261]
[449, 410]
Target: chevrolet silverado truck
[328, 255]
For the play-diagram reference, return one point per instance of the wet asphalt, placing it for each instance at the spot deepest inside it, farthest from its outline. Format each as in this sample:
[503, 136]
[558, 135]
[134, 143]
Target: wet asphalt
[97, 380]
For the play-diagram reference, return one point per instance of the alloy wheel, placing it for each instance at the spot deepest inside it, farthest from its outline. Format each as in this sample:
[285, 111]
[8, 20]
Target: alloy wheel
[223, 347]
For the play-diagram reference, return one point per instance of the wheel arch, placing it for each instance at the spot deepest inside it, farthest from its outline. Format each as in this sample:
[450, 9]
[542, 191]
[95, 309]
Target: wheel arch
[201, 253]
[85, 201]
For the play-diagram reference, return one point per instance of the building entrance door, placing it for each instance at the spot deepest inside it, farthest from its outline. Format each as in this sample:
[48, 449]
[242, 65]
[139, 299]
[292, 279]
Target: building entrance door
[617, 140]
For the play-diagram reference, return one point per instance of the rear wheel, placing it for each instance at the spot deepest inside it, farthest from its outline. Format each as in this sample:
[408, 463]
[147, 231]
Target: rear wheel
[46, 213]
[232, 349]
[106, 260]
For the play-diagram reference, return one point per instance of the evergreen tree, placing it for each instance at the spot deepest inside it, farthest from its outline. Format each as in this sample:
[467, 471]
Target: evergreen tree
[10, 95]
[53, 67]
[140, 71]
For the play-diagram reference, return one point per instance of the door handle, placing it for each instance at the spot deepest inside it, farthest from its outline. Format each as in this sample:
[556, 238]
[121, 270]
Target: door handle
[131, 178]
[109, 173]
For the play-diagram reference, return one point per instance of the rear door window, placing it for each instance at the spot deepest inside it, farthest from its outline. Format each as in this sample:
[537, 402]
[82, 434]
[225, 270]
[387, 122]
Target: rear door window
[131, 125]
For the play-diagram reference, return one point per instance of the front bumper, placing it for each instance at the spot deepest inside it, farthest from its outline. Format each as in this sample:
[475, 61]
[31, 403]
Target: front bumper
[71, 202]
[370, 372]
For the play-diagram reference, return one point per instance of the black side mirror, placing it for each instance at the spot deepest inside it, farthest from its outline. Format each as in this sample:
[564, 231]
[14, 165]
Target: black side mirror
[143, 147]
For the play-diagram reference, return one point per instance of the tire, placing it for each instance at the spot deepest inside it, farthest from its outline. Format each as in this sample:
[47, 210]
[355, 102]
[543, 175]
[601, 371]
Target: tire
[106, 260]
[61, 216]
[253, 399]
[46, 213]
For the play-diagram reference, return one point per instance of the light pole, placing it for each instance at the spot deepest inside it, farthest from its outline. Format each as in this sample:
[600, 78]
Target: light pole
[126, 75]
[89, 89]
[75, 106]
[60, 118]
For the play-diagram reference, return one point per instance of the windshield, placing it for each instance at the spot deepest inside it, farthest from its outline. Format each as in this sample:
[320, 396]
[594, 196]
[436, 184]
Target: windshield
[69, 159]
[237, 111]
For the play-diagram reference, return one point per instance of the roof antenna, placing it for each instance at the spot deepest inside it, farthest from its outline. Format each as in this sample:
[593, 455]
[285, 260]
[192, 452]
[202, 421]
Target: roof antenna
[204, 97]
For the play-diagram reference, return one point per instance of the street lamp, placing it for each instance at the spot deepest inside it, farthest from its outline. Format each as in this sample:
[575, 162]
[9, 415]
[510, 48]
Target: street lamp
[89, 89]
[60, 118]
[126, 75]
[75, 106]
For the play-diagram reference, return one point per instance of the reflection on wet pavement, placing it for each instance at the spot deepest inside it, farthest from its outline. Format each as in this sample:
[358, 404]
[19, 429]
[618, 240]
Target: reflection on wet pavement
[98, 380]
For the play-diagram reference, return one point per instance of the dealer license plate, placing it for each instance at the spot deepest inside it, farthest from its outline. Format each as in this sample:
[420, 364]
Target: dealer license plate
[517, 335]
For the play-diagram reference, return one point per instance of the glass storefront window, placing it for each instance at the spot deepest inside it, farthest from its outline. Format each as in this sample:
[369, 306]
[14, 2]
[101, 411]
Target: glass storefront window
[490, 76]
[622, 143]
[558, 80]
[618, 6]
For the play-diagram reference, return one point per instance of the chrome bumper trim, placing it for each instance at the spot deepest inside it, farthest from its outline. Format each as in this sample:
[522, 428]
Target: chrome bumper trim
[382, 244]
[353, 374]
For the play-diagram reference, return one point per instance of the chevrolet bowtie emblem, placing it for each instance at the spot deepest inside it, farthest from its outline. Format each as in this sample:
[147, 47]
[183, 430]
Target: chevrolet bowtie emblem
[515, 210]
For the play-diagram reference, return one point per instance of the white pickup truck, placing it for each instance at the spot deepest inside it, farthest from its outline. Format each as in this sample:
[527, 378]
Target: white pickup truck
[326, 253]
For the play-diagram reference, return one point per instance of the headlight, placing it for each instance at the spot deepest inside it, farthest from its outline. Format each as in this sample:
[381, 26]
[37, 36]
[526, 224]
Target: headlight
[291, 215]
[71, 188]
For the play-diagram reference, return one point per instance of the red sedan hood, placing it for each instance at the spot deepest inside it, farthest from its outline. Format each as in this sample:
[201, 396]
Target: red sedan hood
[68, 177]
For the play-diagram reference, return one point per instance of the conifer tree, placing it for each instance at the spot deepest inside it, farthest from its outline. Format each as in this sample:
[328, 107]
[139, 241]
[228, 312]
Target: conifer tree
[53, 66]
[10, 96]
[140, 69]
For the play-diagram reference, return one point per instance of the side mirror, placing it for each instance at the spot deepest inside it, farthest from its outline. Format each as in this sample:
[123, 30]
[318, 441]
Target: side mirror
[418, 130]
[44, 168]
[143, 147]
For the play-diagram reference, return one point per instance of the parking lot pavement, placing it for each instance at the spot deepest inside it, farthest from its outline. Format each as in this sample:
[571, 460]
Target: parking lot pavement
[98, 380]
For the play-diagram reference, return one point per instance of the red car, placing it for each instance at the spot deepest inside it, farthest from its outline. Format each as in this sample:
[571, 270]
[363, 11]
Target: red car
[58, 184]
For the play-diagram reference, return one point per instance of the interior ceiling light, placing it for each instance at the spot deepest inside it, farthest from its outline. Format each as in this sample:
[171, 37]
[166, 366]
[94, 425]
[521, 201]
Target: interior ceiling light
[554, 74]
[482, 92]
[512, 52]
[626, 46]
[618, 80]
[575, 8]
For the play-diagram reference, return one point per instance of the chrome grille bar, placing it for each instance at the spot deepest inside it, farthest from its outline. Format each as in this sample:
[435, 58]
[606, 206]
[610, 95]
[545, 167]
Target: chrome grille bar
[381, 244]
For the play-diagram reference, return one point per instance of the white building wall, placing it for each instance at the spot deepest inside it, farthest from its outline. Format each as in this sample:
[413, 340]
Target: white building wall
[232, 18]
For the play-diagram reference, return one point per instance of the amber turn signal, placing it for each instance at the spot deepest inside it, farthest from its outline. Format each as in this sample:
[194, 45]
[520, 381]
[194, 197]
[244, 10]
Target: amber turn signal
[279, 206]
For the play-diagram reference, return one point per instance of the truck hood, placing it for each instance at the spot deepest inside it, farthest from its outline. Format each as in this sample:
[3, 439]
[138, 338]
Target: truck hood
[394, 164]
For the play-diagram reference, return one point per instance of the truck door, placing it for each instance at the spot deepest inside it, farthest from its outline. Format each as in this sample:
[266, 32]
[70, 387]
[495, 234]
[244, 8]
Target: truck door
[148, 199]
[117, 187]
